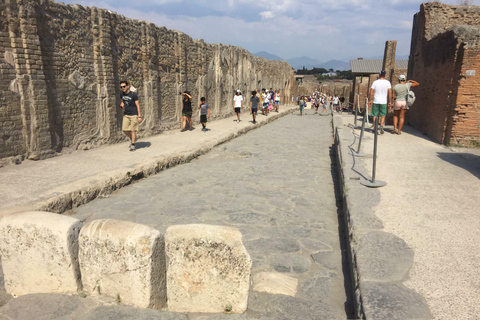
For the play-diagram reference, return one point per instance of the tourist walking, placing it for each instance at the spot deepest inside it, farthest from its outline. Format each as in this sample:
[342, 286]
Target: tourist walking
[324, 106]
[277, 100]
[400, 107]
[378, 98]
[238, 104]
[187, 110]
[131, 113]
[302, 105]
[204, 113]
[254, 101]
[336, 102]
[266, 102]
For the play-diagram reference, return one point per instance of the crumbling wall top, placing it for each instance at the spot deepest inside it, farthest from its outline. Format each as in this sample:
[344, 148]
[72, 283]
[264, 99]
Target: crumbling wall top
[440, 17]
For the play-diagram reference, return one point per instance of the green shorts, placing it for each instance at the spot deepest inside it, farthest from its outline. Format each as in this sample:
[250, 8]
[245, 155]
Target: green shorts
[187, 114]
[379, 110]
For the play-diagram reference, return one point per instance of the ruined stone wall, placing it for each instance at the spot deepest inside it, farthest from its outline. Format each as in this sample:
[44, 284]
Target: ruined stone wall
[443, 48]
[61, 66]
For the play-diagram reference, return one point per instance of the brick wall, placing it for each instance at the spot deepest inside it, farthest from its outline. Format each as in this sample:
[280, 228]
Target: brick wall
[61, 66]
[445, 45]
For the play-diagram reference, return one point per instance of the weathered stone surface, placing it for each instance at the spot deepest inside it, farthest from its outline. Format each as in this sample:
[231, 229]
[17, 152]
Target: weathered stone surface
[43, 306]
[392, 301]
[286, 307]
[124, 259]
[77, 80]
[127, 313]
[290, 263]
[316, 287]
[275, 283]
[40, 253]
[383, 256]
[208, 269]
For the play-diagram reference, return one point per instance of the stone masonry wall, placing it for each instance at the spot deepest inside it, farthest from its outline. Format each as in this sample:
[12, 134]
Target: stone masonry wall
[444, 46]
[60, 67]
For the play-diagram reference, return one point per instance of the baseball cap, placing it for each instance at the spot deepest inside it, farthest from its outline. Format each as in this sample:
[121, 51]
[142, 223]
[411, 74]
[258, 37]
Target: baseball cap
[239, 91]
[402, 77]
[383, 72]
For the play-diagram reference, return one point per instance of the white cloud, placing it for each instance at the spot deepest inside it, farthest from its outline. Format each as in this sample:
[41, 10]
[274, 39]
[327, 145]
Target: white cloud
[267, 14]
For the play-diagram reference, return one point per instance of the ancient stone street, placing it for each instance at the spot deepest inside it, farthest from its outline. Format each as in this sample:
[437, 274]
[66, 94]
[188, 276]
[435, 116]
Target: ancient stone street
[276, 185]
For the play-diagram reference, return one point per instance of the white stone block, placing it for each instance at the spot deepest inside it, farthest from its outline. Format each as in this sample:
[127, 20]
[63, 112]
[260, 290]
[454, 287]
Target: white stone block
[123, 259]
[208, 269]
[275, 283]
[40, 253]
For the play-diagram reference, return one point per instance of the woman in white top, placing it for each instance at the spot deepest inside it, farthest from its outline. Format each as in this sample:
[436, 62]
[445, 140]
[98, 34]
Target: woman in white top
[277, 100]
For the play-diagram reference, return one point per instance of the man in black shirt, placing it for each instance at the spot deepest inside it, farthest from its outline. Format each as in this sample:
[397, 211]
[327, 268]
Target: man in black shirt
[131, 113]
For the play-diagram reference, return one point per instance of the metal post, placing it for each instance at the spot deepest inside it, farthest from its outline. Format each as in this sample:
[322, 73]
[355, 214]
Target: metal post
[373, 183]
[366, 109]
[358, 153]
[356, 113]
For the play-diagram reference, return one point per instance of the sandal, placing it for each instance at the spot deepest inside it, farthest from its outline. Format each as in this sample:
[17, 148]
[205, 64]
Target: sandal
[399, 133]
[393, 132]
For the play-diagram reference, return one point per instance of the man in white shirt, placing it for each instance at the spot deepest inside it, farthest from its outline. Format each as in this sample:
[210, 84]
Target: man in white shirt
[238, 104]
[381, 90]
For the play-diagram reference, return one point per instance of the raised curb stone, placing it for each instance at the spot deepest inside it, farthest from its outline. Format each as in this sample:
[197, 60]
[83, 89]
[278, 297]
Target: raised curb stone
[208, 269]
[123, 260]
[40, 253]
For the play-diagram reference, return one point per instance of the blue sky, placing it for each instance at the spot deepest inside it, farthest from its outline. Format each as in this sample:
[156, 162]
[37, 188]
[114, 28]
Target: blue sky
[319, 29]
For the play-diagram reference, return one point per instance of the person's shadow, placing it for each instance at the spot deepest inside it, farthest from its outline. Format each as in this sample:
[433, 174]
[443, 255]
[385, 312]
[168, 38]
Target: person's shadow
[140, 145]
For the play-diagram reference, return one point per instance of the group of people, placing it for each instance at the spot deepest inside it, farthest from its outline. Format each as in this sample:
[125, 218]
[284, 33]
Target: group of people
[268, 100]
[381, 96]
[318, 99]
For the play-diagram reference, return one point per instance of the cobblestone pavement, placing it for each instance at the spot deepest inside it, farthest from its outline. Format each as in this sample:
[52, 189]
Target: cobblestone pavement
[276, 185]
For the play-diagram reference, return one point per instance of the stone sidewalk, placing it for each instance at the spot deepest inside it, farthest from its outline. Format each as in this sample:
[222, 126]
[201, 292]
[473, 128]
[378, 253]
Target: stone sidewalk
[276, 185]
[67, 181]
[415, 242]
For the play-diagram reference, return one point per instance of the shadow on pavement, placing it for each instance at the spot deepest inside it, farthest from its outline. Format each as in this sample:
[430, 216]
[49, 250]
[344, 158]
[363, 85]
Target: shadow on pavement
[467, 161]
[140, 145]
[342, 232]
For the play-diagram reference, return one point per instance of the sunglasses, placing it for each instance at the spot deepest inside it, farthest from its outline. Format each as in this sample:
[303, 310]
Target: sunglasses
[123, 87]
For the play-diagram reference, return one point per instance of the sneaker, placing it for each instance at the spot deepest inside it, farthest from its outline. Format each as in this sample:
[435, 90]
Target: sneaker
[132, 147]
[238, 121]
[381, 130]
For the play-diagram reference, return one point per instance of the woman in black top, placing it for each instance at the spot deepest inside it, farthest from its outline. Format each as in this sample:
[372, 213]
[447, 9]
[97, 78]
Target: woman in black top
[187, 110]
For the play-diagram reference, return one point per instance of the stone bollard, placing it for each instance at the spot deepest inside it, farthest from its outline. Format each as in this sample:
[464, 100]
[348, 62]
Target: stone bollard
[40, 253]
[124, 260]
[208, 269]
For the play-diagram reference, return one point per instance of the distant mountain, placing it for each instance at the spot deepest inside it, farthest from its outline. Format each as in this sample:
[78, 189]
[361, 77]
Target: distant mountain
[300, 62]
[307, 62]
[268, 56]
[335, 65]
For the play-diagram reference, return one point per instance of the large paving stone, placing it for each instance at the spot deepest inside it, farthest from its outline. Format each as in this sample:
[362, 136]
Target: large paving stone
[275, 283]
[208, 269]
[392, 301]
[383, 256]
[128, 313]
[286, 307]
[316, 287]
[290, 263]
[125, 259]
[40, 253]
[273, 245]
[44, 306]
